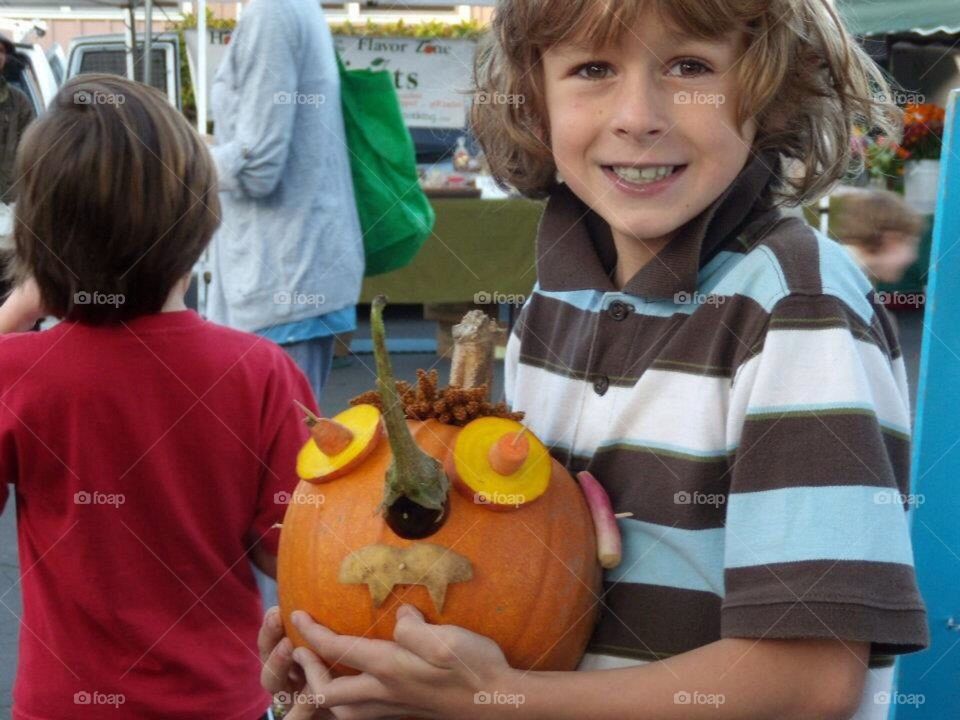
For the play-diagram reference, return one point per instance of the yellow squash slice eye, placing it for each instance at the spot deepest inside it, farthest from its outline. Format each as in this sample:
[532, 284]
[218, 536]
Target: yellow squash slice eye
[498, 463]
[348, 437]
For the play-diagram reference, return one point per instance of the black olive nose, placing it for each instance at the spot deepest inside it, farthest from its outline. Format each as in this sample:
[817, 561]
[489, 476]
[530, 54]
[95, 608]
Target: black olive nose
[413, 521]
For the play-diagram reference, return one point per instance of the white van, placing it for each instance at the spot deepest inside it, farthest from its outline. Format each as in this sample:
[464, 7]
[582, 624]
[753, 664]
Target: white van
[108, 54]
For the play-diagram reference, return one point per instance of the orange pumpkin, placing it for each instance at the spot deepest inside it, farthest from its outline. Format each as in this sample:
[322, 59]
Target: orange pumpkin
[526, 576]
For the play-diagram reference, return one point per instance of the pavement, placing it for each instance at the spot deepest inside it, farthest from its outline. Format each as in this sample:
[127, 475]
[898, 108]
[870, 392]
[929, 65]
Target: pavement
[345, 382]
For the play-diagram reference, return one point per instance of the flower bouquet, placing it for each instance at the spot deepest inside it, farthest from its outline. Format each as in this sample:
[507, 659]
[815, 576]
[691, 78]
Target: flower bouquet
[923, 131]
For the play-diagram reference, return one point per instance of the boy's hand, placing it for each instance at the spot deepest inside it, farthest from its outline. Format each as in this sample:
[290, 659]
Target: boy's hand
[429, 671]
[280, 675]
[22, 308]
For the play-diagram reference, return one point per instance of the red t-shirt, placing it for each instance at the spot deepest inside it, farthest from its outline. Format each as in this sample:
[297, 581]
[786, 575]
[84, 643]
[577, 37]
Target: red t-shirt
[147, 459]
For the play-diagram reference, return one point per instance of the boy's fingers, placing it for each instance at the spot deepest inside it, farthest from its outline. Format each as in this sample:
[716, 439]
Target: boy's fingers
[271, 632]
[359, 653]
[296, 676]
[274, 676]
[409, 611]
[318, 676]
[414, 634]
[370, 656]
[312, 632]
[324, 690]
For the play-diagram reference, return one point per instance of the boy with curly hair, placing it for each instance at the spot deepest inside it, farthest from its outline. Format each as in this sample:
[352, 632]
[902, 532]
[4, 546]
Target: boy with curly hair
[727, 373]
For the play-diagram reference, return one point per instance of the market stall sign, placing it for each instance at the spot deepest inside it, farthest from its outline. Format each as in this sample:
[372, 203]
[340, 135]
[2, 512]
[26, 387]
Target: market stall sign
[432, 77]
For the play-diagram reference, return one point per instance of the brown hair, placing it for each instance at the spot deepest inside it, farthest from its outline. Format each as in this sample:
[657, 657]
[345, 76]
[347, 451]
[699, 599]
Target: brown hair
[858, 216]
[804, 79]
[117, 200]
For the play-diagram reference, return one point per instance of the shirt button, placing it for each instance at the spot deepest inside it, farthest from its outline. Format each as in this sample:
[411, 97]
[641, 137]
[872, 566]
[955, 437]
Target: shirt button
[619, 310]
[601, 385]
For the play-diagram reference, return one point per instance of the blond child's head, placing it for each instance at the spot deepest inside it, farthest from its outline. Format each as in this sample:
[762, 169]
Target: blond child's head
[592, 89]
[117, 200]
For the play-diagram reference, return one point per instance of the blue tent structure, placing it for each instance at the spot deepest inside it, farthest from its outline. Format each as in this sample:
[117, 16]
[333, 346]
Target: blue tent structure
[928, 683]
[933, 676]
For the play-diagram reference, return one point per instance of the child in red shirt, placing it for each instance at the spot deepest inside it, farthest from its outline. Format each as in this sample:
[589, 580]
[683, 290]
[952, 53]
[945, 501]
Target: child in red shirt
[151, 452]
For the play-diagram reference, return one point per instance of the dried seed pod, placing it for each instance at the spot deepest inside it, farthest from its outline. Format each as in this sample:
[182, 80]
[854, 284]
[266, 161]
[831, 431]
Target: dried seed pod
[455, 404]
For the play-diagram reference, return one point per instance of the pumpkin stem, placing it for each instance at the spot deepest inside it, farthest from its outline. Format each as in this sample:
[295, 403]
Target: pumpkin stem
[413, 474]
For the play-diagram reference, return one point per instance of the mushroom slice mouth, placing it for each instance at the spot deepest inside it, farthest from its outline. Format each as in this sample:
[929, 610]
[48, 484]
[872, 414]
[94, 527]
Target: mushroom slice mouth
[381, 567]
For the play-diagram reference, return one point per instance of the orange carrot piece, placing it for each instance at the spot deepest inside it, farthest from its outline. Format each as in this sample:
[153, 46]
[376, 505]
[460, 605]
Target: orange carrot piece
[509, 453]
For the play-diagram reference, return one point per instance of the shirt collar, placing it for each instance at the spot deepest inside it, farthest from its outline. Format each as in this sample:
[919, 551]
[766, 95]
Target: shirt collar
[575, 249]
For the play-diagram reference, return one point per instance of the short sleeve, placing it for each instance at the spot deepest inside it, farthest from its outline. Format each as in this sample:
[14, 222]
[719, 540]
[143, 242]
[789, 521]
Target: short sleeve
[817, 542]
[284, 435]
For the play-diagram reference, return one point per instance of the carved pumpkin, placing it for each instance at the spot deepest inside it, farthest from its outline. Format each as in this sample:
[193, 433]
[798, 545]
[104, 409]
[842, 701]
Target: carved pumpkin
[473, 523]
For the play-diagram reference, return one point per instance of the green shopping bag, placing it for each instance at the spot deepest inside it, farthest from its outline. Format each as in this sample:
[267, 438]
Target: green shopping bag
[395, 215]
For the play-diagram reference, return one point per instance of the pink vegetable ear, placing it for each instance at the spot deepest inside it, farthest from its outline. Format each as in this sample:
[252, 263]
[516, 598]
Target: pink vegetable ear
[609, 545]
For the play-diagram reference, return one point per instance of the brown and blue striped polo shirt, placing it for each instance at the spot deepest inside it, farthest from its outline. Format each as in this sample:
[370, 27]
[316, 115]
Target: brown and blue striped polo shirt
[744, 397]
